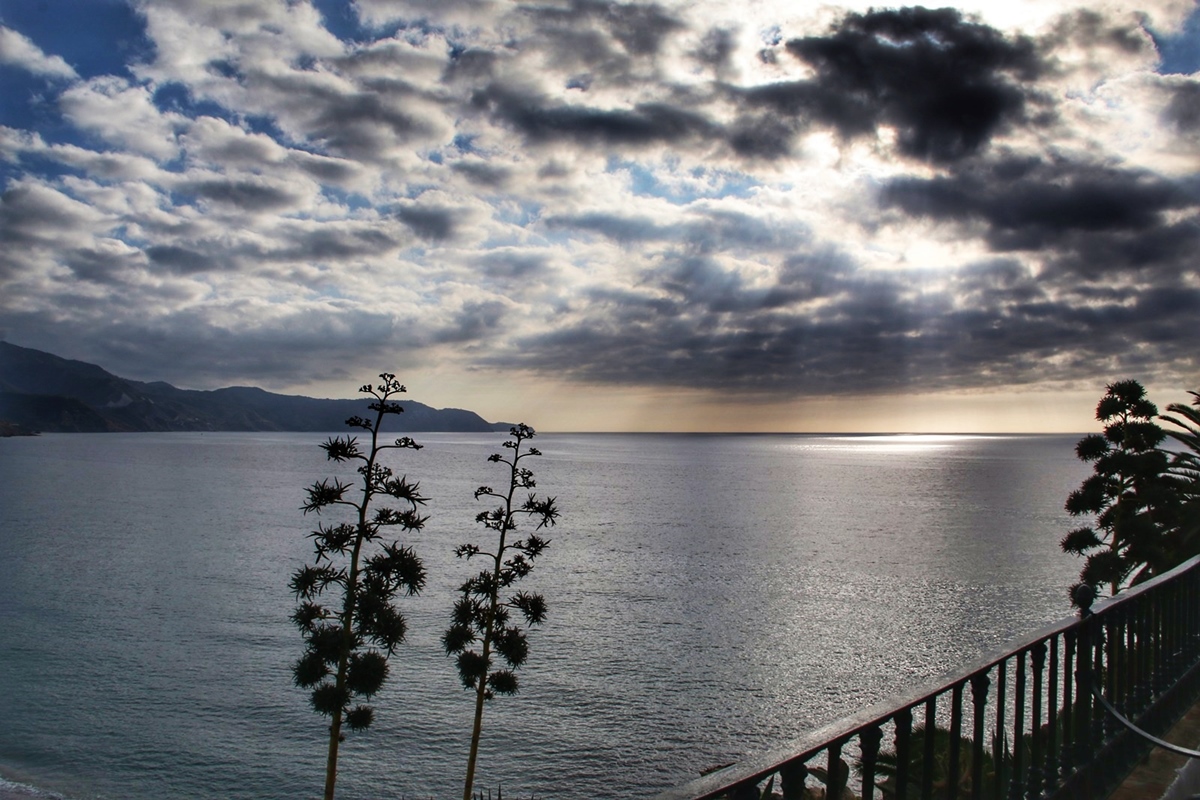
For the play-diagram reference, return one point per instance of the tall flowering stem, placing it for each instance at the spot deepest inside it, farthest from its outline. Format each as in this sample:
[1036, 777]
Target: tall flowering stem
[482, 625]
[349, 637]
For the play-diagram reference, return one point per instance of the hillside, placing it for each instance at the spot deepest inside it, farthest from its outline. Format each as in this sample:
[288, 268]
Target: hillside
[43, 392]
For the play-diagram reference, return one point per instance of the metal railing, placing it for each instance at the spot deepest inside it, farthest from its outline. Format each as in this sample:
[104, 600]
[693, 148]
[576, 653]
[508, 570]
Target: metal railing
[1014, 726]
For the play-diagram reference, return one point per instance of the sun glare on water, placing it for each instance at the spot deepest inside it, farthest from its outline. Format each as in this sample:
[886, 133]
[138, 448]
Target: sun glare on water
[896, 442]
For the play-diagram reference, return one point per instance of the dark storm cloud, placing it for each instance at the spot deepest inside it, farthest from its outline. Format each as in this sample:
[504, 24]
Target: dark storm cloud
[35, 220]
[473, 322]
[766, 136]
[948, 85]
[716, 48]
[471, 64]
[180, 260]
[245, 195]
[361, 124]
[828, 329]
[99, 266]
[700, 283]
[1002, 277]
[351, 124]
[428, 222]
[541, 121]
[639, 27]
[1084, 28]
[1184, 109]
[1167, 251]
[1041, 200]
[1088, 218]
[330, 242]
[512, 265]
[331, 171]
[660, 341]
[482, 174]
[31, 214]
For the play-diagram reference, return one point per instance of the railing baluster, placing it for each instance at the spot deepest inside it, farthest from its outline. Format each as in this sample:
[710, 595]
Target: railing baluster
[1158, 653]
[1084, 739]
[928, 758]
[903, 751]
[1120, 650]
[1116, 673]
[793, 776]
[1067, 749]
[1053, 735]
[1174, 634]
[837, 775]
[868, 742]
[1143, 655]
[955, 742]
[1018, 774]
[1034, 781]
[999, 740]
[979, 689]
[1100, 721]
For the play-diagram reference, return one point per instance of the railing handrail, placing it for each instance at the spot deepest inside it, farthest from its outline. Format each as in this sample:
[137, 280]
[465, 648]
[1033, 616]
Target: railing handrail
[799, 750]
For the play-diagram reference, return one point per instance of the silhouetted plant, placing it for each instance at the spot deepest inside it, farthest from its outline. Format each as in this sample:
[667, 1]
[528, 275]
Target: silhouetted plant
[1133, 498]
[482, 622]
[347, 642]
[1185, 469]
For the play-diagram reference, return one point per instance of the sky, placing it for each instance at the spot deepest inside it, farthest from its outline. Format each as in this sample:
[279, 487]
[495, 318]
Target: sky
[728, 215]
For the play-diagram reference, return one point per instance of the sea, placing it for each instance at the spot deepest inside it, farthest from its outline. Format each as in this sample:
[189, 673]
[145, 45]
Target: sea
[710, 596]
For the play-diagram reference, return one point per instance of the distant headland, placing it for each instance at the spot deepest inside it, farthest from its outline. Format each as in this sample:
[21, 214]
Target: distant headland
[42, 392]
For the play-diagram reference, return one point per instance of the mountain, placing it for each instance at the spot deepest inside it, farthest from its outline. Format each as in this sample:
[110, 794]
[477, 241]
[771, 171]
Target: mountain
[43, 392]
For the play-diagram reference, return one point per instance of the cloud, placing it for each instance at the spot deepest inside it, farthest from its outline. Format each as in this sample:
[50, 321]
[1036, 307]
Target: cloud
[753, 200]
[124, 115]
[180, 259]
[19, 51]
[947, 84]
[639, 29]
[513, 264]
[540, 120]
[428, 222]
[34, 214]
[482, 174]
[336, 242]
[1184, 109]
[1090, 219]
[829, 333]
[244, 195]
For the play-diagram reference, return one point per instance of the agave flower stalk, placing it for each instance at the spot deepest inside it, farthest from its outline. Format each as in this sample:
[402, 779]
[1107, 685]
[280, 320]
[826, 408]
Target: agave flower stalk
[482, 623]
[347, 644]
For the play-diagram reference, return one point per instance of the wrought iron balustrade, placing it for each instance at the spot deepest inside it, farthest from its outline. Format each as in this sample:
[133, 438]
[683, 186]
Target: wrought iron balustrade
[1018, 725]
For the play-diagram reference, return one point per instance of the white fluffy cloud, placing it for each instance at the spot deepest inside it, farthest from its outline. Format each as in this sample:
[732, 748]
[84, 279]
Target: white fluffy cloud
[17, 50]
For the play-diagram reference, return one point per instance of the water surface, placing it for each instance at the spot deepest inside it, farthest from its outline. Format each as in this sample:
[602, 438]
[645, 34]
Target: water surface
[709, 596]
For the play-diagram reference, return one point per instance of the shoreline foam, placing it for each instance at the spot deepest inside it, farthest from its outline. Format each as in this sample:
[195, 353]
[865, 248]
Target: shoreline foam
[11, 790]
